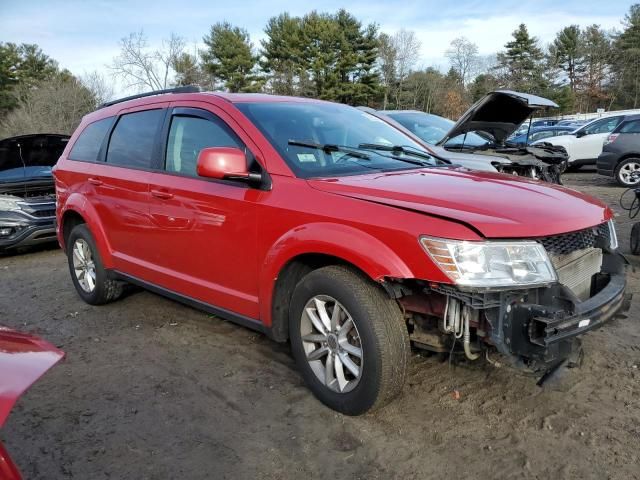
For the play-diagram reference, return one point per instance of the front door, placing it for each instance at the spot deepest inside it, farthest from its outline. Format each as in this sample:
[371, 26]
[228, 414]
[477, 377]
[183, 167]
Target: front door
[204, 240]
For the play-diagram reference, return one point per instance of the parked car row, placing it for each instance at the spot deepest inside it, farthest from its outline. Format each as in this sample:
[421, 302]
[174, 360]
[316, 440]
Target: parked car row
[336, 230]
[620, 157]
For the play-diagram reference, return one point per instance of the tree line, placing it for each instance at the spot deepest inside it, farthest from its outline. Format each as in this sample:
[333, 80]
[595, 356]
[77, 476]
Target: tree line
[334, 56]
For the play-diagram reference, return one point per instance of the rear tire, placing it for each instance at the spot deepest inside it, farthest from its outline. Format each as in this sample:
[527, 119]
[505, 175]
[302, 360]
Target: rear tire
[624, 170]
[87, 271]
[378, 334]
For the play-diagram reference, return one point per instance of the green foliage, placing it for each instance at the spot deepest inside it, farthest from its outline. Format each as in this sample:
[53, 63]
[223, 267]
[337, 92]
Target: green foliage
[229, 58]
[21, 65]
[627, 60]
[522, 62]
[328, 56]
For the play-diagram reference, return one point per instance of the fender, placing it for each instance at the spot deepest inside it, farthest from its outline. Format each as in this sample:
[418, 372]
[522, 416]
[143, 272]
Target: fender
[80, 205]
[354, 246]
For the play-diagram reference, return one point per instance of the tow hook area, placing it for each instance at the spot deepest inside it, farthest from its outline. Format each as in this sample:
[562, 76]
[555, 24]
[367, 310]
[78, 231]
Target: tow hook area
[574, 360]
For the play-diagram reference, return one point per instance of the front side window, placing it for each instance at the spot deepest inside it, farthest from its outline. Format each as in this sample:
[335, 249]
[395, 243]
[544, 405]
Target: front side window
[631, 127]
[133, 139]
[189, 135]
[317, 125]
[87, 146]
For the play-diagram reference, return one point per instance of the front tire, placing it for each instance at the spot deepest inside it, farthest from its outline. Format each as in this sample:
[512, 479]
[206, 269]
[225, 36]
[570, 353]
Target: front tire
[349, 340]
[87, 271]
[626, 170]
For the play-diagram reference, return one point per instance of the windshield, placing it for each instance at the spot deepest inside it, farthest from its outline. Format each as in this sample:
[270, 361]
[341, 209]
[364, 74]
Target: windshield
[326, 139]
[432, 129]
[30, 157]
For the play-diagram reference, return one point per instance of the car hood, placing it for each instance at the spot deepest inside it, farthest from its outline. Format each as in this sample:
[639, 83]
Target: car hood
[495, 205]
[30, 157]
[499, 113]
[23, 359]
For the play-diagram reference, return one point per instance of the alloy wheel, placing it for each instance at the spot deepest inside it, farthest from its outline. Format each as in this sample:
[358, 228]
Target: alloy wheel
[331, 343]
[626, 172]
[84, 266]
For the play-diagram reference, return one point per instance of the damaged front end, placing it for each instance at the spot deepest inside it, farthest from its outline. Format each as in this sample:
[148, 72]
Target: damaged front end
[497, 116]
[534, 328]
[542, 162]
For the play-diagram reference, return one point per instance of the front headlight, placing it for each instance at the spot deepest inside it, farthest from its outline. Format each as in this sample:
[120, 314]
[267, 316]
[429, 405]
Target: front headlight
[9, 204]
[491, 264]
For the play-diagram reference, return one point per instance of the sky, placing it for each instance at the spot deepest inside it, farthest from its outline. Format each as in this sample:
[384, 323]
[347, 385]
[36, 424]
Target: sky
[83, 36]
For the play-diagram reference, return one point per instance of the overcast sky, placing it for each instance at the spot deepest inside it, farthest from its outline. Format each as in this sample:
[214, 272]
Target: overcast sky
[83, 35]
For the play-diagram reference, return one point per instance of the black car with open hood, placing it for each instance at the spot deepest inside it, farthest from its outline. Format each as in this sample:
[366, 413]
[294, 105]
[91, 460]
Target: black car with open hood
[27, 191]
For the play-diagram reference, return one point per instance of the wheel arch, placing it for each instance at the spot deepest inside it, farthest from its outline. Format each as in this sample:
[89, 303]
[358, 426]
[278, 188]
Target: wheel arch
[305, 249]
[78, 211]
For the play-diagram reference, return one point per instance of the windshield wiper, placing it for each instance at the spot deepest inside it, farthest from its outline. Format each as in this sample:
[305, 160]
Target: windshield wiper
[399, 149]
[329, 147]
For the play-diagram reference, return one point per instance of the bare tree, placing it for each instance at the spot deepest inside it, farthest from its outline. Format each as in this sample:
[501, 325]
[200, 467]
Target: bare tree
[99, 86]
[463, 57]
[387, 59]
[55, 105]
[142, 67]
[408, 51]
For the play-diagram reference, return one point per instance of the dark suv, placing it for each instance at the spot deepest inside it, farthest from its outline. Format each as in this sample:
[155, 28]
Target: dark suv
[620, 156]
[323, 225]
[27, 191]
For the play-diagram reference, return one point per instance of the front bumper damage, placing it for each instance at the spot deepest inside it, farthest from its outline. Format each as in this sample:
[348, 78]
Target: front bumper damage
[539, 326]
[534, 329]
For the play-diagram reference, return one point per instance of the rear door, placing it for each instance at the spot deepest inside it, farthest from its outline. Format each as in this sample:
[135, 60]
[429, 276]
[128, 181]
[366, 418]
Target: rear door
[121, 185]
[204, 236]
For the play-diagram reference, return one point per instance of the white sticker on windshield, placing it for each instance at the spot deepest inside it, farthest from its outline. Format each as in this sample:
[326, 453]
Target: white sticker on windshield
[307, 157]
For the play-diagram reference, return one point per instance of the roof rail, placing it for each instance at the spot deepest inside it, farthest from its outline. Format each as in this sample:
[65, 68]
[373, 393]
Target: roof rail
[185, 89]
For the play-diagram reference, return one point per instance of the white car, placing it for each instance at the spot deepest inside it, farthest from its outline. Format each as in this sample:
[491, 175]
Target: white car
[584, 145]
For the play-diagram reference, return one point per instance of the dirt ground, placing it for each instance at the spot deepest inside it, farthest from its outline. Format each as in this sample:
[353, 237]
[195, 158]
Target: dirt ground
[151, 389]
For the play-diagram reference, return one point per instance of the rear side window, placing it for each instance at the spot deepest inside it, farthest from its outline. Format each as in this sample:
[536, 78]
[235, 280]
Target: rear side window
[133, 140]
[88, 144]
[631, 127]
[189, 135]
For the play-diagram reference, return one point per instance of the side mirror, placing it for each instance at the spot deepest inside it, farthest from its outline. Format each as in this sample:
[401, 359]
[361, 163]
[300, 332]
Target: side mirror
[580, 133]
[224, 163]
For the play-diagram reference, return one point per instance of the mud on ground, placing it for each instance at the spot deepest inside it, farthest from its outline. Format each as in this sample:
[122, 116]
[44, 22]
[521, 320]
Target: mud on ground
[151, 389]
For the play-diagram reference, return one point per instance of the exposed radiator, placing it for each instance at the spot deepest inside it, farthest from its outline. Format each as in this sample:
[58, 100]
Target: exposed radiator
[576, 269]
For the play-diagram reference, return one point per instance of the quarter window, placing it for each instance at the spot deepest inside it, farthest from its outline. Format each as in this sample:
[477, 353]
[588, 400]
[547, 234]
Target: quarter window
[132, 141]
[189, 135]
[87, 146]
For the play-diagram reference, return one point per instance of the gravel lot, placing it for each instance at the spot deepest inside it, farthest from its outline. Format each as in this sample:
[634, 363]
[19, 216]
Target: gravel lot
[151, 389]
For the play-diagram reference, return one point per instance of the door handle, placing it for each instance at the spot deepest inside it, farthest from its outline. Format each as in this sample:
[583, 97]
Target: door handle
[164, 195]
[95, 181]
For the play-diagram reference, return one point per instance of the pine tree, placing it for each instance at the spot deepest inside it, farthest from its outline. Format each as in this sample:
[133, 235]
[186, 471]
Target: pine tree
[229, 58]
[566, 53]
[522, 62]
[627, 60]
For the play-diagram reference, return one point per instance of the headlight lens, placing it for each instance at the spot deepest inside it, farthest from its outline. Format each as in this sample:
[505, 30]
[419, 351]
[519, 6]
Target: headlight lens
[613, 237]
[491, 264]
[9, 204]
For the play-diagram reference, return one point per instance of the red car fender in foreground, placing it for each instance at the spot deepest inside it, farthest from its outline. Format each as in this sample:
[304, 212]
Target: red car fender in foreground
[23, 359]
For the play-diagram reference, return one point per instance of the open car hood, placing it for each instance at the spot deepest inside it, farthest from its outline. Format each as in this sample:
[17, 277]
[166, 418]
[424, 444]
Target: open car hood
[30, 157]
[23, 359]
[499, 113]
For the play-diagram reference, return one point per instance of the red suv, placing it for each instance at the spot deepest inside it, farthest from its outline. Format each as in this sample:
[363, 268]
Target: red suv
[321, 224]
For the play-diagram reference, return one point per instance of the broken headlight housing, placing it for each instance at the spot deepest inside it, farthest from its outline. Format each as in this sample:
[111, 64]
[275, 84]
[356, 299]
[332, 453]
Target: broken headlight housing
[491, 264]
